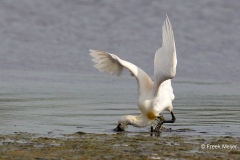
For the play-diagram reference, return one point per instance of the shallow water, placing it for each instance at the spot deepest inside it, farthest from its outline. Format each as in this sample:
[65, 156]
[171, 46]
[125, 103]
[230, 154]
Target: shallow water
[49, 86]
[56, 104]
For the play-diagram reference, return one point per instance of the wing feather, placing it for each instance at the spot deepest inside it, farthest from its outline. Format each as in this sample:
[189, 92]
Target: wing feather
[106, 62]
[165, 60]
[112, 64]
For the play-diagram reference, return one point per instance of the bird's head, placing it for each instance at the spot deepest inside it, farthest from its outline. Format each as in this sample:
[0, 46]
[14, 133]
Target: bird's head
[122, 123]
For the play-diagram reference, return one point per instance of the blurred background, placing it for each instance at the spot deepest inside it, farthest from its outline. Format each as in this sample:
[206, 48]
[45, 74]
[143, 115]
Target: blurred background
[55, 36]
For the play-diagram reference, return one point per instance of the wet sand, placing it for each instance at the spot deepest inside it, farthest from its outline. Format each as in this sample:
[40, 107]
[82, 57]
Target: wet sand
[118, 146]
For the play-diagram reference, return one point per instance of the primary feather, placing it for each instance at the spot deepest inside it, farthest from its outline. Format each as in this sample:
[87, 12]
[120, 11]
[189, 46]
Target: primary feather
[165, 60]
[106, 62]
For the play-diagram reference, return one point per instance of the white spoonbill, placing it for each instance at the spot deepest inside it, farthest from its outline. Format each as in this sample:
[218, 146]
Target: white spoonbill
[153, 97]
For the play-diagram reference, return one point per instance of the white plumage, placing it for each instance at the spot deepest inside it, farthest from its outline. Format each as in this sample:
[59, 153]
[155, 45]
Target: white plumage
[153, 97]
[106, 62]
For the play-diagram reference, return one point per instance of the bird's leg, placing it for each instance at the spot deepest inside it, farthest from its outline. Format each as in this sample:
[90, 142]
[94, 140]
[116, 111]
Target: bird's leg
[161, 122]
[172, 120]
[157, 128]
[157, 123]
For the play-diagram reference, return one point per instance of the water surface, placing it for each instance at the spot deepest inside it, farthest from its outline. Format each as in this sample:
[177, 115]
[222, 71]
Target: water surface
[67, 103]
[49, 86]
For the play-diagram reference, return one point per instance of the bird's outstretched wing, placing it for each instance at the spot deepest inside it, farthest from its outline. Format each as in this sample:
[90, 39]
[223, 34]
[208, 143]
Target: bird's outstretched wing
[112, 64]
[106, 62]
[165, 60]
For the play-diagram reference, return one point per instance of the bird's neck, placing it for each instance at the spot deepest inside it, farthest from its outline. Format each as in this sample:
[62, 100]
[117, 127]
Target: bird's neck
[138, 121]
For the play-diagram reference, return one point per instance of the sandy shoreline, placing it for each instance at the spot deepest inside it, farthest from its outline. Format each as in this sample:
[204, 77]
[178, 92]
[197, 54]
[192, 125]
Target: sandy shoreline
[117, 146]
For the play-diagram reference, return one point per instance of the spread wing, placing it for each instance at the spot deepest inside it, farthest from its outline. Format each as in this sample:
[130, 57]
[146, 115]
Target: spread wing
[112, 64]
[165, 60]
[106, 62]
